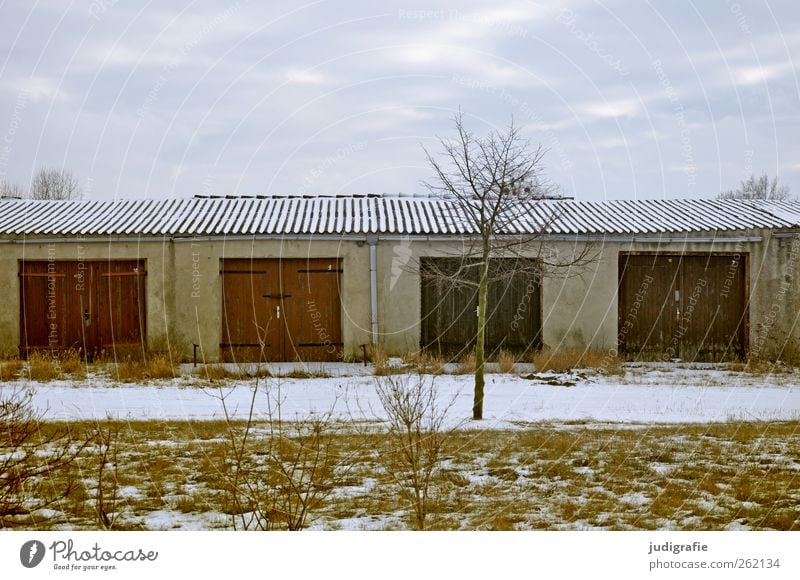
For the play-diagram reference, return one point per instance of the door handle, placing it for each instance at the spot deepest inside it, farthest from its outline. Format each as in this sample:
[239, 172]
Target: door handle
[279, 312]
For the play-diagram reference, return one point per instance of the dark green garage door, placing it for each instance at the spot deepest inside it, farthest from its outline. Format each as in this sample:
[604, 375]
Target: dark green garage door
[449, 311]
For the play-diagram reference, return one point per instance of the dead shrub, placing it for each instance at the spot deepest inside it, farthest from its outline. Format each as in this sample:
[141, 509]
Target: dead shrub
[506, 361]
[277, 480]
[106, 439]
[35, 467]
[417, 438]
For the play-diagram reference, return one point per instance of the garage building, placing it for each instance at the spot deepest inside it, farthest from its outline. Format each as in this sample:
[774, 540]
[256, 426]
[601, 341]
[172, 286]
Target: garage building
[281, 278]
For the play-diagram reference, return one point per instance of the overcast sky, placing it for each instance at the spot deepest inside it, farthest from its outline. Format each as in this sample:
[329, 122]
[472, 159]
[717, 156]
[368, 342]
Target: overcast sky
[631, 99]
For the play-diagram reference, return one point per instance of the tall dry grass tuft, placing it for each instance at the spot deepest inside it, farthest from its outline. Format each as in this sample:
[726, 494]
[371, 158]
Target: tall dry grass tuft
[72, 365]
[382, 366]
[158, 366]
[43, 367]
[506, 361]
[466, 365]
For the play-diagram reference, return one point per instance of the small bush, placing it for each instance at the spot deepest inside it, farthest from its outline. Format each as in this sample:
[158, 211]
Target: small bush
[417, 438]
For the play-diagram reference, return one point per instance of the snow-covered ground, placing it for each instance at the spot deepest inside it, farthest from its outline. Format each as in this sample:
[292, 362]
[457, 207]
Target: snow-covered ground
[646, 394]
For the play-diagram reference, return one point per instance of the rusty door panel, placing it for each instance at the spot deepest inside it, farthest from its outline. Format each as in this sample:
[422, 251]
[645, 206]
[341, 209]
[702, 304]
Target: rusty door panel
[281, 310]
[118, 317]
[87, 306]
[249, 325]
[647, 306]
[312, 309]
[713, 308]
[691, 307]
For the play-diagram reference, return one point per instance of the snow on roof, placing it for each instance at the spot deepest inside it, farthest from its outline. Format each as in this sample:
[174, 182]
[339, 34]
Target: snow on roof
[378, 214]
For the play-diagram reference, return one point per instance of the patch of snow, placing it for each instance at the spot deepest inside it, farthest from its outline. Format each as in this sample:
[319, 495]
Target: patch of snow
[662, 468]
[164, 520]
[653, 397]
[129, 491]
[635, 498]
[737, 526]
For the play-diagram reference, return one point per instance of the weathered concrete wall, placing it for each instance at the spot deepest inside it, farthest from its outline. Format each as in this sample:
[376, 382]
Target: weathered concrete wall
[579, 306]
[160, 294]
[775, 300]
[183, 285]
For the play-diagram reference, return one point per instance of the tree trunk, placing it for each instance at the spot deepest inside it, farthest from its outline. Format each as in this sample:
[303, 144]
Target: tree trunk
[480, 339]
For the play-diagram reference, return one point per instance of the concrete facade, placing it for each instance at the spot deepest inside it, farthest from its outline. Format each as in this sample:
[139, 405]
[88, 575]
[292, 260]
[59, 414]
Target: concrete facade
[579, 308]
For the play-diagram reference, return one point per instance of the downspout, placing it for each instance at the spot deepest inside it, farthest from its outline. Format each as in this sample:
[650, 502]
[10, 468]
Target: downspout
[372, 240]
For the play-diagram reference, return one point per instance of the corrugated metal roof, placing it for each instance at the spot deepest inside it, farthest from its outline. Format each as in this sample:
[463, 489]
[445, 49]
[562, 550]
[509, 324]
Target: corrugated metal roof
[378, 214]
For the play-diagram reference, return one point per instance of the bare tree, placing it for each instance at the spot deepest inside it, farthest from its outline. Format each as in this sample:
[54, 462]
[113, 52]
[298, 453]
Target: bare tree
[761, 187]
[11, 190]
[506, 207]
[54, 184]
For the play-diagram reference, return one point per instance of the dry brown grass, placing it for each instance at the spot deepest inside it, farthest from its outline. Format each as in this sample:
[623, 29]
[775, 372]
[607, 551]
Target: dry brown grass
[506, 361]
[381, 364]
[425, 363]
[466, 364]
[158, 366]
[563, 360]
[542, 477]
[72, 365]
[43, 367]
[305, 373]
[10, 369]
[212, 372]
[762, 366]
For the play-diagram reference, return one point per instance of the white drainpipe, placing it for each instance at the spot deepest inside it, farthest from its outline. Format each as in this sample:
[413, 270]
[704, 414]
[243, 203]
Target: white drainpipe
[372, 240]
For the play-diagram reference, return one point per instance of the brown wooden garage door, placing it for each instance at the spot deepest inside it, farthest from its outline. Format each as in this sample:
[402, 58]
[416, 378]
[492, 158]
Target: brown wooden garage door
[449, 321]
[281, 310]
[89, 306]
[691, 307]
